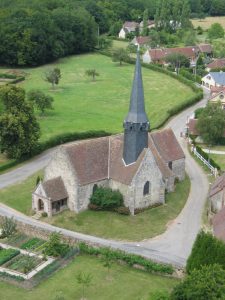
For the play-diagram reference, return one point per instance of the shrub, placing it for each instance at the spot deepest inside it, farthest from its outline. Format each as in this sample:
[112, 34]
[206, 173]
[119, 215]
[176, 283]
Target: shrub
[106, 198]
[207, 250]
[54, 247]
[44, 214]
[7, 254]
[8, 227]
[130, 259]
[32, 243]
[207, 157]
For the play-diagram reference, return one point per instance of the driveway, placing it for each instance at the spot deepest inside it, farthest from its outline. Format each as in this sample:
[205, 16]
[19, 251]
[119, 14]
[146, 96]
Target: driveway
[175, 244]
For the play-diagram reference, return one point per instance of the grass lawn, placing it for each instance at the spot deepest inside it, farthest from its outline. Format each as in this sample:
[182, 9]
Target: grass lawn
[119, 44]
[82, 105]
[207, 22]
[219, 159]
[18, 196]
[105, 224]
[122, 283]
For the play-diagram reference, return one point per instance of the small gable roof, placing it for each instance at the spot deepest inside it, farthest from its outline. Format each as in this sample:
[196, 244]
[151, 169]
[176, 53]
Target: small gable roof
[205, 48]
[218, 223]
[167, 145]
[141, 40]
[218, 185]
[217, 63]
[219, 77]
[55, 189]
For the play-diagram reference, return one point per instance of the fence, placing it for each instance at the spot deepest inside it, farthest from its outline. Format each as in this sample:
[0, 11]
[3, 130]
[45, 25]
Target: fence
[213, 170]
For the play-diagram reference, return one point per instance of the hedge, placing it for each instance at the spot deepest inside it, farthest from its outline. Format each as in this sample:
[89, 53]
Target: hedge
[207, 250]
[15, 79]
[106, 198]
[130, 259]
[207, 157]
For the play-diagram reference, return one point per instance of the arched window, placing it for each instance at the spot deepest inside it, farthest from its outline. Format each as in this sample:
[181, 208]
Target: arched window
[146, 188]
[94, 188]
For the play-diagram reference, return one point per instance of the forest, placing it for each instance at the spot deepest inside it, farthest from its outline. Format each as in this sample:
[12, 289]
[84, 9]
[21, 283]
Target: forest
[34, 32]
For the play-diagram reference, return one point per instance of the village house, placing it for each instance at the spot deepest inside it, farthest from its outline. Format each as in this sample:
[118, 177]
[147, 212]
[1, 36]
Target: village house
[217, 194]
[128, 27]
[159, 55]
[218, 97]
[141, 41]
[216, 64]
[205, 49]
[218, 224]
[141, 165]
[150, 24]
[216, 89]
[214, 79]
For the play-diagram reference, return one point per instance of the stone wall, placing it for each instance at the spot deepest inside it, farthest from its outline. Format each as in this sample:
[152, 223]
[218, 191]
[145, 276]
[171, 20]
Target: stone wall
[60, 166]
[217, 201]
[178, 168]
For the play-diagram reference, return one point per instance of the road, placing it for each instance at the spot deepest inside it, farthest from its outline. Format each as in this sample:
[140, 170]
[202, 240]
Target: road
[175, 244]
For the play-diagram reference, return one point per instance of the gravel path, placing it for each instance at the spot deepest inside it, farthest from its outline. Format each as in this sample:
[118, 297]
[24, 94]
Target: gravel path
[175, 244]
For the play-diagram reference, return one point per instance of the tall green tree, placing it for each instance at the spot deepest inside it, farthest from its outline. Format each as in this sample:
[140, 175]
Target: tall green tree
[40, 100]
[177, 60]
[145, 30]
[211, 123]
[215, 31]
[19, 129]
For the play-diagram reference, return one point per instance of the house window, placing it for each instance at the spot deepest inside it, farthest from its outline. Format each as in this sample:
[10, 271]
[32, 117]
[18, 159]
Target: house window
[146, 188]
[221, 96]
[209, 77]
[94, 188]
[170, 165]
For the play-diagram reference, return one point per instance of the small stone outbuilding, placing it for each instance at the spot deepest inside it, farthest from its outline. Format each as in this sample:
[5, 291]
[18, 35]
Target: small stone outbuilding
[217, 194]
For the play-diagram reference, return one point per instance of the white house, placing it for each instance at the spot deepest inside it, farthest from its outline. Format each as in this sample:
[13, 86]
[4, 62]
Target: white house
[128, 27]
[214, 79]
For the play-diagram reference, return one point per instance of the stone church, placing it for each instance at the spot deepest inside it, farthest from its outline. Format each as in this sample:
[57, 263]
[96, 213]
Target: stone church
[142, 165]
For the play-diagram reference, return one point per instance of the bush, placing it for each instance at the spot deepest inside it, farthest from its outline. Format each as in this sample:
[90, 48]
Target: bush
[44, 214]
[130, 259]
[106, 198]
[32, 243]
[207, 250]
[7, 254]
[198, 112]
[206, 157]
[54, 247]
[8, 227]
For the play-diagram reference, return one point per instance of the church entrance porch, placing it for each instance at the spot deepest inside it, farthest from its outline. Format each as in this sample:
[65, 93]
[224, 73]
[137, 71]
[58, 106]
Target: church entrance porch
[40, 205]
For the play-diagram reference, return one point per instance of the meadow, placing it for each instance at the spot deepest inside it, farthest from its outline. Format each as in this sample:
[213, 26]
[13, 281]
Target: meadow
[207, 22]
[121, 282]
[82, 104]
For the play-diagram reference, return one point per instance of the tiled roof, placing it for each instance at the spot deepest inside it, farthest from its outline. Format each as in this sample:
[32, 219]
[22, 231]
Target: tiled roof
[160, 54]
[130, 25]
[192, 127]
[219, 77]
[141, 40]
[205, 48]
[217, 89]
[218, 223]
[167, 145]
[218, 185]
[101, 158]
[55, 189]
[217, 63]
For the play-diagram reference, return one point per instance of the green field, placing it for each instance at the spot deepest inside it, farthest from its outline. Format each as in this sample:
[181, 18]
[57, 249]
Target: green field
[219, 159]
[207, 22]
[105, 224]
[122, 283]
[82, 105]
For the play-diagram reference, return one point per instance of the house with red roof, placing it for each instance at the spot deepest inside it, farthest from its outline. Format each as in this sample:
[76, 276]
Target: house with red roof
[141, 41]
[216, 64]
[128, 27]
[141, 165]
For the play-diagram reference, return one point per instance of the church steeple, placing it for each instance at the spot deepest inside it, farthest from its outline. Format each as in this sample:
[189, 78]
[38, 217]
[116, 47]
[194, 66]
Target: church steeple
[136, 124]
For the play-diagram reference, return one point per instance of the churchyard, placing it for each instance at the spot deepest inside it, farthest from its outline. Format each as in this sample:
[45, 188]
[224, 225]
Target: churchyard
[144, 225]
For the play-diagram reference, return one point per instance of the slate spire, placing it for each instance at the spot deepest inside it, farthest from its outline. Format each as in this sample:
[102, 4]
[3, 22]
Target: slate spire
[136, 124]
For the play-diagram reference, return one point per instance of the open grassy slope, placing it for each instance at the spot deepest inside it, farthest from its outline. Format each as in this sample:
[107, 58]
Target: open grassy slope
[122, 283]
[82, 105]
[207, 22]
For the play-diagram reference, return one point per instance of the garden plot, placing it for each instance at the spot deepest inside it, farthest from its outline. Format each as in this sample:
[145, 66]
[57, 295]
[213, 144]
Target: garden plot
[21, 263]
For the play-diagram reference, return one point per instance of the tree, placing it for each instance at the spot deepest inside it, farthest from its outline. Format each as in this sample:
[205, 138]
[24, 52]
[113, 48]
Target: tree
[177, 60]
[145, 30]
[8, 227]
[40, 100]
[211, 123]
[84, 279]
[215, 31]
[120, 55]
[19, 129]
[53, 76]
[55, 247]
[92, 73]
[206, 283]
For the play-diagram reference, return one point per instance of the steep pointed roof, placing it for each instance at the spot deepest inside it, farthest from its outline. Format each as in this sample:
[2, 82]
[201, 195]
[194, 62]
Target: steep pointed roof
[137, 112]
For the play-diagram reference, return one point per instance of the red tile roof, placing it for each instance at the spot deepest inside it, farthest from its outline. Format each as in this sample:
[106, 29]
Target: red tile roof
[217, 63]
[55, 189]
[217, 89]
[192, 127]
[167, 145]
[205, 48]
[101, 158]
[129, 24]
[160, 54]
[142, 40]
[218, 185]
[218, 223]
